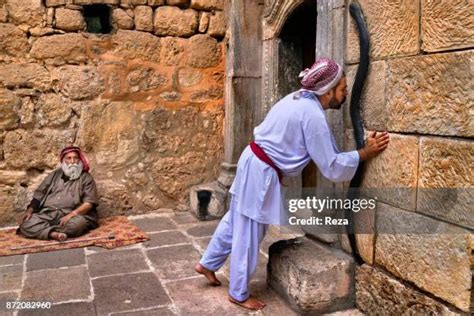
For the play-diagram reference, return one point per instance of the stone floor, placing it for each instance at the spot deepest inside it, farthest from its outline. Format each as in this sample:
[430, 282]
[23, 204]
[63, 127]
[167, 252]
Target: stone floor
[152, 278]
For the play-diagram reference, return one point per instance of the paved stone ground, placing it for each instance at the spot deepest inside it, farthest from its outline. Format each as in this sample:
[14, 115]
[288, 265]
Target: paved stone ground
[151, 278]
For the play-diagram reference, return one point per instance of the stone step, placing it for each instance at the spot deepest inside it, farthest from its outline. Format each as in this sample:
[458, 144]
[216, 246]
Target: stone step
[312, 277]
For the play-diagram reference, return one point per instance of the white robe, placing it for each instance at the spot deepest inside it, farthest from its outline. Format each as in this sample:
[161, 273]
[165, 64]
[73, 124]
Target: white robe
[294, 132]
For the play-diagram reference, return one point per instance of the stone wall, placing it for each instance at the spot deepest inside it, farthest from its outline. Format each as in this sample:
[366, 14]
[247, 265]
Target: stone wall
[420, 90]
[145, 102]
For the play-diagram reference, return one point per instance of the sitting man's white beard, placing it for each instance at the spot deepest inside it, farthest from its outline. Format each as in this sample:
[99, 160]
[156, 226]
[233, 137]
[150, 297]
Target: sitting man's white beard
[72, 171]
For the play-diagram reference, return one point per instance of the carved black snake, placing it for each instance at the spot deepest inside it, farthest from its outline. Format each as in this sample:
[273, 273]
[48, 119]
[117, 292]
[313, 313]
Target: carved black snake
[364, 42]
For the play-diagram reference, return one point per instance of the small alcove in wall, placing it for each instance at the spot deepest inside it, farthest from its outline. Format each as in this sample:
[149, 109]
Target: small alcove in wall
[98, 18]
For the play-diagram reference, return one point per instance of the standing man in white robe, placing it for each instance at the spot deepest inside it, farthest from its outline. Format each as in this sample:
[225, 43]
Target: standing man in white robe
[294, 132]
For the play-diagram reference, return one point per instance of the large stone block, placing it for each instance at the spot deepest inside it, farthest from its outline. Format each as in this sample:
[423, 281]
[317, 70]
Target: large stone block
[173, 50]
[315, 279]
[69, 20]
[203, 51]
[172, 21]
[42, 146]
[445, 188]
[372, 101]
[433, 255]
[136, 45]
[63, 48]
[393, 29]
[207, 4]
[79, 82]
[431, 94]
[217, 25]
[55, 3]
[25, 76]
[30, 12]
[392, 177]
[179, 3]
[144, 18]
[110, 130]
[13, 42]
[52, 110]
[143, 79]
[446, 25]
[189, 77]
[379, 294]
[122, 20]
[133, 2]
[9, 106]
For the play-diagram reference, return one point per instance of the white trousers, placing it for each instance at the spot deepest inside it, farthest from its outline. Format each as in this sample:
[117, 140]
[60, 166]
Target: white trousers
[239, 236]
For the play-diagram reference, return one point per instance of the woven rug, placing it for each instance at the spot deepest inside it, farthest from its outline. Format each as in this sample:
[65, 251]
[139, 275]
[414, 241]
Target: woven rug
[124, 232]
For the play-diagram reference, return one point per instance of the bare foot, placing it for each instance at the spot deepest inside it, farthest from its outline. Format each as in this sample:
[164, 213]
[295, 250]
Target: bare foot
[210, 275]
[251, 303]
[58, 236]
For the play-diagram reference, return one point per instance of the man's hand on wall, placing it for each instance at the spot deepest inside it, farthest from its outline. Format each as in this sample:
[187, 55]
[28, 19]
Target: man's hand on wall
[375, 144]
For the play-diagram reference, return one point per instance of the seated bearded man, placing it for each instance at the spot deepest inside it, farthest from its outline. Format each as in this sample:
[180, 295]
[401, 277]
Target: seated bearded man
[64, 205]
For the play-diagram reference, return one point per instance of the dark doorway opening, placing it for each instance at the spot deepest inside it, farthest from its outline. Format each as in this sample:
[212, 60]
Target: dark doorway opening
[297, 51]
[98, 18]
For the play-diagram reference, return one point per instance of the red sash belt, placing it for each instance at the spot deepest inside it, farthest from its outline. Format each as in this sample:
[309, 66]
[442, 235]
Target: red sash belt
[258, 151]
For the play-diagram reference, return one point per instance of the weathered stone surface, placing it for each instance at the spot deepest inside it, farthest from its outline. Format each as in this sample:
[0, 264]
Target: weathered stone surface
[110, 130]
[172, 50]
[56, 259]
[207, 4]
[43, 147]
[136, 45]
[114, 198]
[116, 262]
[217, 25]
[133, 2]
[69, 20]
[395, 172]
[203, 229]
[10, 277]
[30, 12]
[314, 279]
[63, 48]
[393, 29]
[9, 106]
[204, 22]
[446, 25]
[12, 260]
[172, 181]
[175, 261]
[177, 2]
[188, 77]
[13, 42]
[203, 51]
[122, 19]
[156, 2]
[171, 96]
[431, 94]
[438, 263]
[55, 3]
[52, 110]
[3, 15]
[144, 18]
[81, 2]
[10, 177]
[446, 179]
[172, 21]
[166, 238]
[128, 292]
[79, 82]
[213, 93]
[372, 101]
[154, 224]
[35, 285]
[143, 79]
[25, 76]
[377, 292]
